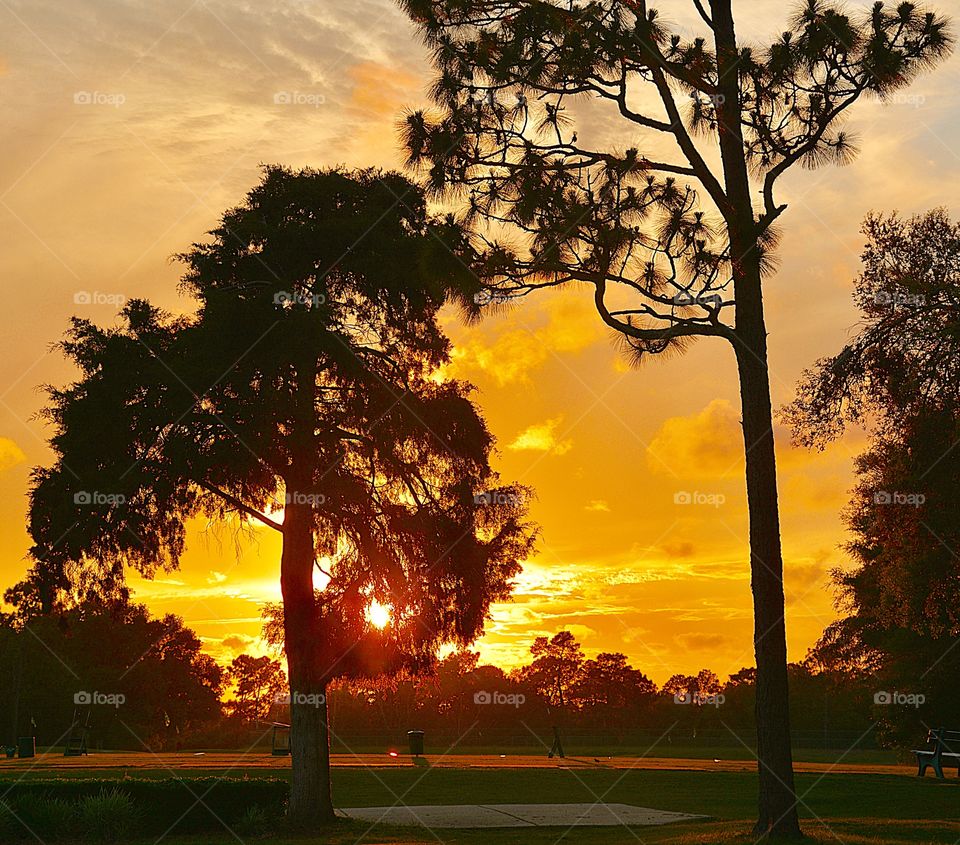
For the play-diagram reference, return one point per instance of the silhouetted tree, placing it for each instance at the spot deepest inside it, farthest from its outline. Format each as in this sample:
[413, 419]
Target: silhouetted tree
[905, 358]
[144, 680]
[257, 681]
[305, 382]
[899, 378]
[609, 680]
[556, 668]
[670, 244]
[694, 688]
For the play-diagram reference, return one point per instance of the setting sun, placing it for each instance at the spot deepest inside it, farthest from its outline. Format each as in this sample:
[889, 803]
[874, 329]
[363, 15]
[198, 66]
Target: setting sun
[378, 614]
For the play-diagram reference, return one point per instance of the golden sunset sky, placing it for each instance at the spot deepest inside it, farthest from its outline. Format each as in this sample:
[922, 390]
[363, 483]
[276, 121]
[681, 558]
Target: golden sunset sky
[129, 126]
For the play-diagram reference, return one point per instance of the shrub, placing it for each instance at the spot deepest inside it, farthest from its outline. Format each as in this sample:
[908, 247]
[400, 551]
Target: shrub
[256, 821]
[44, 816]
[114, 810]
[9, 825]
[108, 816]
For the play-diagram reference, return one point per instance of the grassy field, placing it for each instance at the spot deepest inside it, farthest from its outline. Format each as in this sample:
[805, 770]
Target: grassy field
[843, 832]
[837, 807]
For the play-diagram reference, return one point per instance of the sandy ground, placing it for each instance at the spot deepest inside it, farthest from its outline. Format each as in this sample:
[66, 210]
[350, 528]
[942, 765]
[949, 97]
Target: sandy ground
[257, 759]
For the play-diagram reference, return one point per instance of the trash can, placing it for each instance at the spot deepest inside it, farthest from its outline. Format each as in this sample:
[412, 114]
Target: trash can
[26, 746]
[416, 742]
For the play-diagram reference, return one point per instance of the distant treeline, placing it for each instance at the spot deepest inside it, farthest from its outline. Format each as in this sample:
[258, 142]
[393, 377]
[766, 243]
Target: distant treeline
[142, 682]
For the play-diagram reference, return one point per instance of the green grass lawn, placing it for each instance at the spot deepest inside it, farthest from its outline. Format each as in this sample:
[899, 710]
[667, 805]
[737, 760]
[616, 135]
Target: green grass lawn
[845, 832]
[844, 808]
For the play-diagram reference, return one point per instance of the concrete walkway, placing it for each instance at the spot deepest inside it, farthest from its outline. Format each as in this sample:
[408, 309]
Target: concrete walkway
[517, 815]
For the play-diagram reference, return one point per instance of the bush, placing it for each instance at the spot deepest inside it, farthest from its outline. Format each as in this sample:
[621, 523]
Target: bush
[108, 816]
[43, 816]
[256, 821]
[113, 811]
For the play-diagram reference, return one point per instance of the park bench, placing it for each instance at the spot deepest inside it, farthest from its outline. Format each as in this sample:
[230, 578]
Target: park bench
[943, 748]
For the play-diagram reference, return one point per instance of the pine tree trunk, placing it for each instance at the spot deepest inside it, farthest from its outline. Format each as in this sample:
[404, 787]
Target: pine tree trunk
[311, 798]
[777, 813]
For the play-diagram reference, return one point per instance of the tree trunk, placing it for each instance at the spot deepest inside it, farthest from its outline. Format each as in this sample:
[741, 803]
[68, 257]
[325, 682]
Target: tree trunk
[777, 811]
[777, 805]
[311, 797]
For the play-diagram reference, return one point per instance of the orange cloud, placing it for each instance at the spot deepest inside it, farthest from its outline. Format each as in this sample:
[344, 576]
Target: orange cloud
[381, 91]
[513, 345]
[706, 445]
[10, 454]
[542, 437]
[598, 506]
